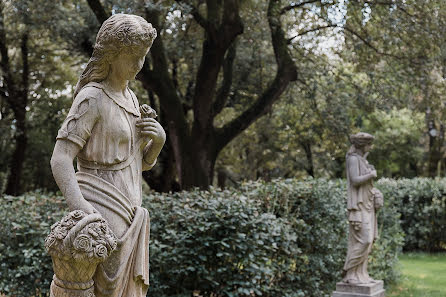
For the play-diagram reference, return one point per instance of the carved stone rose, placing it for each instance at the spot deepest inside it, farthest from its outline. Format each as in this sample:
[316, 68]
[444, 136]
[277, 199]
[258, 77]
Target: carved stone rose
[77, 243]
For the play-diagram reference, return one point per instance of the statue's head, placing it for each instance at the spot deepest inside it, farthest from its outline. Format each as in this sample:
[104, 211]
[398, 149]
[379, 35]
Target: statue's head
[120, 33]
[362, 141]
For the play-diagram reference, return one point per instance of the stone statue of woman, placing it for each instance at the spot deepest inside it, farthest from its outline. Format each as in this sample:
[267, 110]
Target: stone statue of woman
[363, 201]
[106, 235]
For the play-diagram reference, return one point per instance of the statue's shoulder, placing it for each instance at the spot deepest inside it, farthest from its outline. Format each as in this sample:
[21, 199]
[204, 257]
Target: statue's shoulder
[88, 100]
[352, 157]
[91, 90]
[357, 160]
[91, 93]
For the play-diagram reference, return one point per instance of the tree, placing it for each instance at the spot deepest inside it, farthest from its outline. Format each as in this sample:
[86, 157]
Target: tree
[398, 136]
[216, 70]
[15, 92]
[33, 75]
[400, 45]
[195, 146]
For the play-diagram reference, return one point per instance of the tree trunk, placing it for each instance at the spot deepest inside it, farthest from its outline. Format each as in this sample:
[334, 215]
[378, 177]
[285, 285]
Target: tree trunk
[18, 157]
[196, 148]
[18, 101]
[162, 177]
[436, 139]
[309, 155]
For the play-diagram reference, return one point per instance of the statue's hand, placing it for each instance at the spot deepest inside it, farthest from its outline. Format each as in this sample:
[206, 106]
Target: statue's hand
[373, 172]
[149, 127]
[83, 205]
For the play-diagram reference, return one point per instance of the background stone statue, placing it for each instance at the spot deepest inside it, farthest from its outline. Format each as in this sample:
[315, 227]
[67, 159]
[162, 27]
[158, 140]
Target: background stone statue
[113, 144]
[363, 201]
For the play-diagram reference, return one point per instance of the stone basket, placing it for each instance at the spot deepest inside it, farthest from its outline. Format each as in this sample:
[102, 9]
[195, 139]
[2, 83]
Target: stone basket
[77, 244]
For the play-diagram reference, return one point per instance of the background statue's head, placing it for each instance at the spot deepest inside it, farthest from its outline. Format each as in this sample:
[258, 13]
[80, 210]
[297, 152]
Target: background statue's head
[361, 141]
[119, 33]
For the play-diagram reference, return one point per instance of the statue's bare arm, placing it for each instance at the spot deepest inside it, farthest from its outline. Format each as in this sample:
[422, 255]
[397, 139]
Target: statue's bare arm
[63, 171]
[353, 171]
[152, 129]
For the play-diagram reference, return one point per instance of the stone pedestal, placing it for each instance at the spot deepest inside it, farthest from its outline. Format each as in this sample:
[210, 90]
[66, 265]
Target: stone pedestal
[362, 290]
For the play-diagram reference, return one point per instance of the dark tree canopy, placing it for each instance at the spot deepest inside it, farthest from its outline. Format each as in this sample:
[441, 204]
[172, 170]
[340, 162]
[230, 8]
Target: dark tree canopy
[216, 74]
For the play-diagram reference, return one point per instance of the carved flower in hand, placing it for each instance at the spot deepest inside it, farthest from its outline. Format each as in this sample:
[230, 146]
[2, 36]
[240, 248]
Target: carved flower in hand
[100, 251]
[147, 111]
[83, 243]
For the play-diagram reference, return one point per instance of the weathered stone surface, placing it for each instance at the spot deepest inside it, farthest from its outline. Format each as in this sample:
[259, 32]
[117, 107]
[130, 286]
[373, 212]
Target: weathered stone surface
[341, 294]
[362, 290]
[101, 248]
[362, 203]
[77, 244]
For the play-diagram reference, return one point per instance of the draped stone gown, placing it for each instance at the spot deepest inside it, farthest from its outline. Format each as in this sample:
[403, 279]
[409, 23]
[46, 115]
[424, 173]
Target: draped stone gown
[360, 206]
[109, 165]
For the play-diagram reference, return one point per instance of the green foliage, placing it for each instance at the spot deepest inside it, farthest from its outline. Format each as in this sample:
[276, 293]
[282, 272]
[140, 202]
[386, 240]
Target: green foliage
[422, 205]
[52, 70]
[220, 242]
[397, 136]
[349, 79]
[280, 238]
[25, 221]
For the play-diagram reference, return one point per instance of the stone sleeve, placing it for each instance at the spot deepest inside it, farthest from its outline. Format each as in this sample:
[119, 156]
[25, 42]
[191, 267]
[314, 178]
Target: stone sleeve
[80, 121]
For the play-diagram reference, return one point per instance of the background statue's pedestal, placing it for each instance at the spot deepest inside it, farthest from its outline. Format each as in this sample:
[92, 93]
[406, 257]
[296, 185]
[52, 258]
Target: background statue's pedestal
[363, 290]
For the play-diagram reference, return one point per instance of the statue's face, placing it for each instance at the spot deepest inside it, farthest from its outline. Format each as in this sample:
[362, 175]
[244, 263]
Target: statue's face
[368, 148]
[127, 64]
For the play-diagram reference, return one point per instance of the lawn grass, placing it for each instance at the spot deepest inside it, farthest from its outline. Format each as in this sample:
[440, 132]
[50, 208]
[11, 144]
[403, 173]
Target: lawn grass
[424, 275]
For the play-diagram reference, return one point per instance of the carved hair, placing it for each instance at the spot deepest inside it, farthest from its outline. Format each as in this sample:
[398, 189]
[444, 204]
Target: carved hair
[119, 32]
[359, 141]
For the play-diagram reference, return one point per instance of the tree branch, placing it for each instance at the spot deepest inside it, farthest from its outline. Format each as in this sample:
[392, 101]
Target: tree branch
[25, 66]
[98, 10]
[161, 82]
[223, 92]
[286, 73]
[215, 45]
[4, 63]
[391, 2]
[296, 5]
[369, 44]
[101, 15]
[379, 2]
[200, 19]
[309, 31]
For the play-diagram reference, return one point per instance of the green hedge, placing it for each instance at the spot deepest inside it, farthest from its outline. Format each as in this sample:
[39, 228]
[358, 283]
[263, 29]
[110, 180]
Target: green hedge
[422, 204]
[284, 238]
[25, 267]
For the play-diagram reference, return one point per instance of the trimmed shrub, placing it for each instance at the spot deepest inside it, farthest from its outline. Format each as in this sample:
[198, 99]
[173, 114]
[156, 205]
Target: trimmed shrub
[422, 205]
[283, 238]
[25, 221]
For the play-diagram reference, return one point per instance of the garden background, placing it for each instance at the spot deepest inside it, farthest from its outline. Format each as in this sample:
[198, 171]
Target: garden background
[258, 98]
